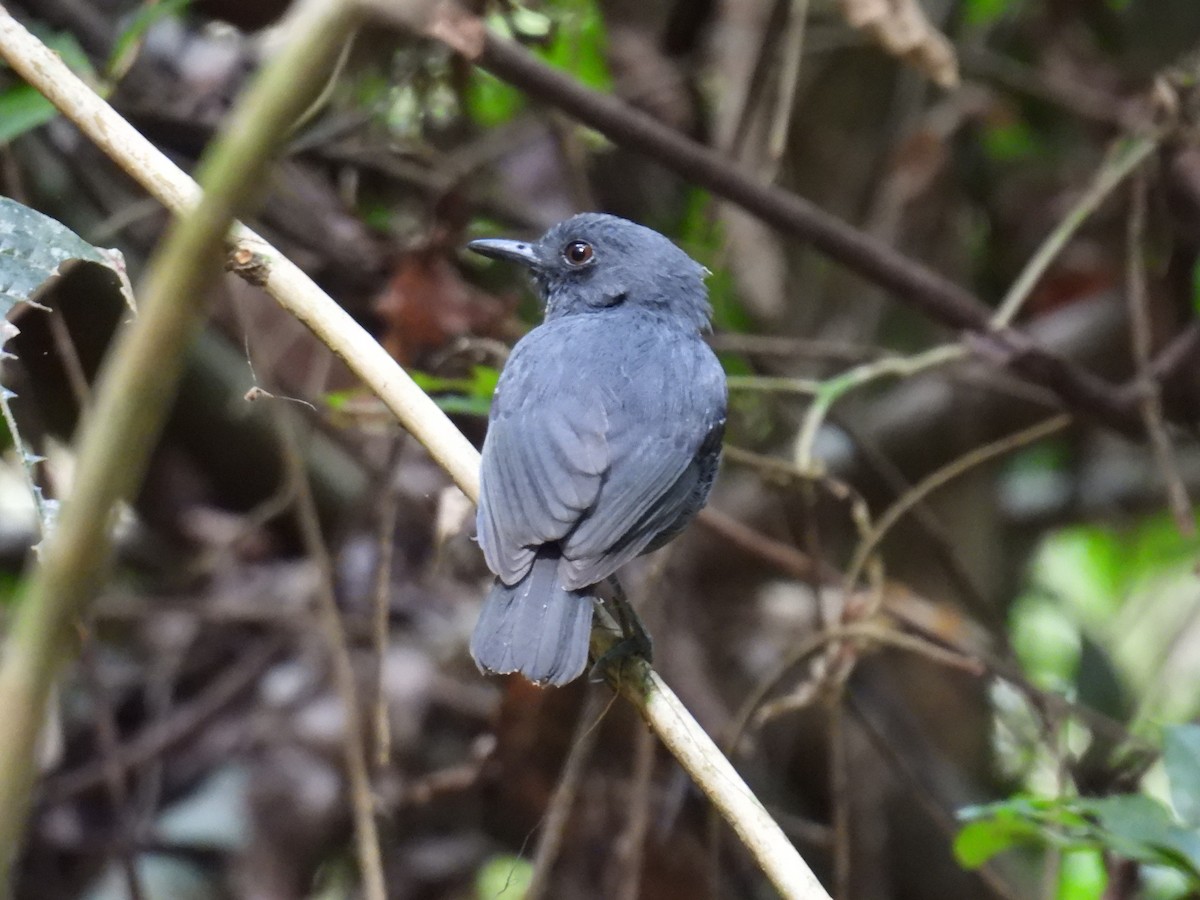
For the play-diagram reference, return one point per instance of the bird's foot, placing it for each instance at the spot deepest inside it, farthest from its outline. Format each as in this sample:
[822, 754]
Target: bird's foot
[635, 639]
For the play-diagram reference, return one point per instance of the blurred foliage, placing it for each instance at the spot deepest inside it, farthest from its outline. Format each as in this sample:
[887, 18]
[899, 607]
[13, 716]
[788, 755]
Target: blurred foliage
[503, 876]
[22, 108]
[568, 34]
[1125, 593]
[125, 49]
[463, 396]
[457, 396]
[1138, 827]
[981, 13]
[1102, 620]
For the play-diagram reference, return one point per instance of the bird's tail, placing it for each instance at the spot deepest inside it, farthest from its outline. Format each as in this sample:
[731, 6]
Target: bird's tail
[535, 627]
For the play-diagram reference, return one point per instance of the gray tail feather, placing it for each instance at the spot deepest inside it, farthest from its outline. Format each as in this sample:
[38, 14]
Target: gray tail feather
[535, 627]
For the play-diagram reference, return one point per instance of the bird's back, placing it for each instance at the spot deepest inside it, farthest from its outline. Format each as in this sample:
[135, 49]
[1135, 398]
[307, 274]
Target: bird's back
[651, 396]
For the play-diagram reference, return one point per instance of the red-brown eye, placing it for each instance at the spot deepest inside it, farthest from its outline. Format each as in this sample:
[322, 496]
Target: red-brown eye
[578, 252]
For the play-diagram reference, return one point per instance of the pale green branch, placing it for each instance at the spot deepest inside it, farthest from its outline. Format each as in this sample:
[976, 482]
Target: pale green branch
[136, 388]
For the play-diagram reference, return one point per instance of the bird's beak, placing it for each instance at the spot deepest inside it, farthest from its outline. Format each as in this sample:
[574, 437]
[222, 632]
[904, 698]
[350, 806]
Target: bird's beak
[514, 251]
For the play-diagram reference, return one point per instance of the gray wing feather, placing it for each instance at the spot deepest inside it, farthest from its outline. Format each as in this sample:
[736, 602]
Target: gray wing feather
[543, 460]
[663, 459]
[604, 458]
[583, 567]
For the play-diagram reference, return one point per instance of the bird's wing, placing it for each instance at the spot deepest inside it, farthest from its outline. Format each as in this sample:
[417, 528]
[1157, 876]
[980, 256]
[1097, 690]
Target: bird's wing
[544, 457]
[663, 441]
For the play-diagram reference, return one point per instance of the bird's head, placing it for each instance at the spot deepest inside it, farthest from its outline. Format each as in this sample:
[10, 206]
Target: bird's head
[594, 262]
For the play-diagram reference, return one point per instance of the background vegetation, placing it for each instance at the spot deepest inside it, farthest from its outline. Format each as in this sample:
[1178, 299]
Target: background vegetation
[943, 612]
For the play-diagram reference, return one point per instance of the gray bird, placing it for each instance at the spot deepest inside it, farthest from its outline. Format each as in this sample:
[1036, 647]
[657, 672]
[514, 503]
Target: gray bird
[604, 435]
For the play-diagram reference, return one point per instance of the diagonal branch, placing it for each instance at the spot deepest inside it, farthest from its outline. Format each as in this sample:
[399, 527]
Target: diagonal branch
[136, 389]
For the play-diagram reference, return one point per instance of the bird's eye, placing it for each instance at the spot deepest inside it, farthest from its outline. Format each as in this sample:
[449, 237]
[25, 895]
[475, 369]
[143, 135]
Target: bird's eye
[578, 253]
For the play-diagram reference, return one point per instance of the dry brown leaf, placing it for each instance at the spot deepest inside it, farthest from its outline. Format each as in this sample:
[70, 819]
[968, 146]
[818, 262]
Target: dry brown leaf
[901, 28]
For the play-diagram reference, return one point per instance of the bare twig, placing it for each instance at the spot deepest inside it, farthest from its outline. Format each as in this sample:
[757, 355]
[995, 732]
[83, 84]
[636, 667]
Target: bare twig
[839, 790]
[789, 82]
[783, 556]
[941, 476]
[712, 772]
[831, 390]
[554, 829]
[139, 382]
[354, 751]
[902, 29]
[779, 345]
[161, 736]
[631, 845]
[1141, 338]
[1076, 97]
[1126, 156]
[773, 385]
[383, 596]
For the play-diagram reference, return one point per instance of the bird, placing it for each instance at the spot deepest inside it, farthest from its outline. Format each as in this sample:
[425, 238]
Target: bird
[604, 435]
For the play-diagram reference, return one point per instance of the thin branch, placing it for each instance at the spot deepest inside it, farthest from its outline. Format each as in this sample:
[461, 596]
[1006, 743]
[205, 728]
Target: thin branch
[941, 476]
[262, 263]
[783, 556]
[138, 384]
[380, 619]
[789, 82]
[1141, 338]
[354, 751]
[831, 390]
[1125, 158]
[768, 384]
[711, 771]
[631, 844]
[1075, 97]
[779, 345]
[554, 828]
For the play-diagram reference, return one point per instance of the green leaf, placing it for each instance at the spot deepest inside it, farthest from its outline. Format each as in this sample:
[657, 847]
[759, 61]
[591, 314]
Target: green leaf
[1196, 288]
[462, 396]
[131, 38]
[1082, 875]
[22, 107]
[1046, 639]
[1010, 141]
[984, 12]
[980, 841]
[570, 37]
[1135, 818]
[578, 47]
[492, 102]
[463, 406]
[1181, 756]
[1142, 828]
[33, 249]
[996, 827]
